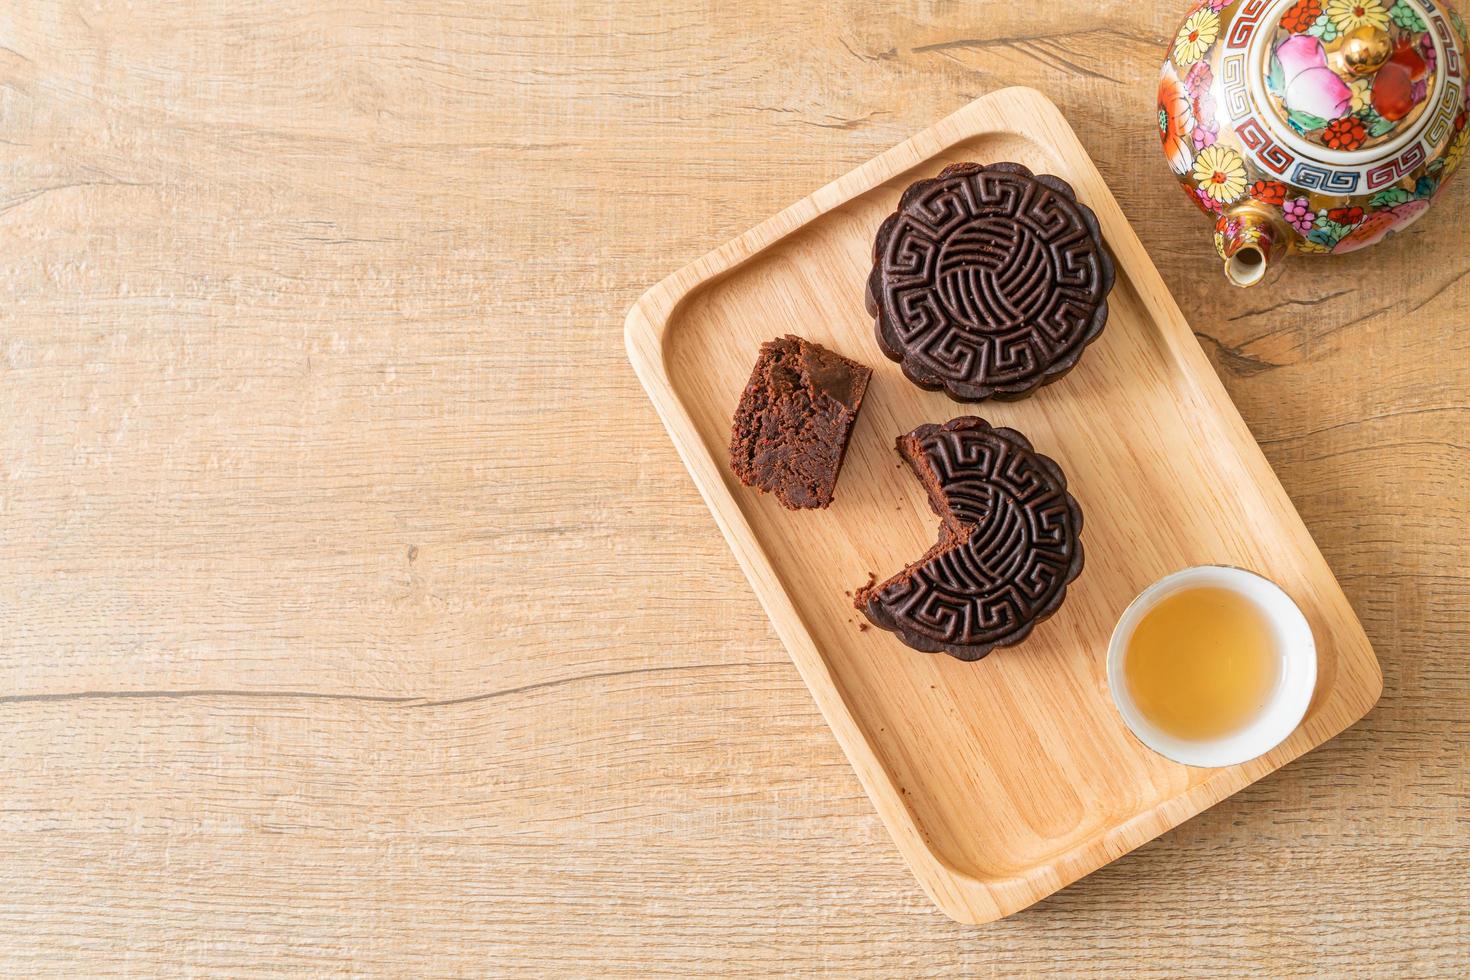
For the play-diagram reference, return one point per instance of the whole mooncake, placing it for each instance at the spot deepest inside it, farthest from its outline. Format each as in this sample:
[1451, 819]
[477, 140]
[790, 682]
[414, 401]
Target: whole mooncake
[988, 281]
[1009, 543]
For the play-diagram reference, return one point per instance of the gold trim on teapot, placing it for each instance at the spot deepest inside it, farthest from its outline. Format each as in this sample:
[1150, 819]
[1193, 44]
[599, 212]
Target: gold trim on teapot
[1312, 126]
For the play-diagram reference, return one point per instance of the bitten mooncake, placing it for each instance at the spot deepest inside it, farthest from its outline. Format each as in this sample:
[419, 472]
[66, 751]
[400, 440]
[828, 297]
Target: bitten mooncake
[1009, 543]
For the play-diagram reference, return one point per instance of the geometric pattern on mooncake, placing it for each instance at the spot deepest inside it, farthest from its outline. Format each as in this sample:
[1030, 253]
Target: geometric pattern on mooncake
[988, 281]
[1009, 543]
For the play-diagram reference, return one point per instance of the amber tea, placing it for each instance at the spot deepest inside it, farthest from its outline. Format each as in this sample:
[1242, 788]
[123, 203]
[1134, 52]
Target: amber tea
[1202, 663]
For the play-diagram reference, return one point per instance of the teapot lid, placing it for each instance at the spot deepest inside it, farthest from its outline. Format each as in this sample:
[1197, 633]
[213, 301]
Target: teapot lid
[1340, 96]
[1348, 75]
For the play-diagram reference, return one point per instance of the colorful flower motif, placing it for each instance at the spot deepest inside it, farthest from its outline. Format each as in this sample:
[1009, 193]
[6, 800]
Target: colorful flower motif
[1301, 16]
[1268, 191]
[1299, 214]
[1406, 17]
[1345, 216]
[1202, 104]
[1345, 134]
[1202, 136]
[1175, 121]
[1324, 29]
[1206, 128]
[1220, 173]
[1310, 86]
[1312, 248]
[1349, 15]
[1205, 202]
[1426, 51]
[1196, 35]
[1198, 79]
[1362, 89]
[1218, 5]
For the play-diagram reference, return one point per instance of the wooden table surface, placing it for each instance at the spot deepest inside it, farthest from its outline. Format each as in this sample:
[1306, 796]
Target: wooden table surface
[357, 615]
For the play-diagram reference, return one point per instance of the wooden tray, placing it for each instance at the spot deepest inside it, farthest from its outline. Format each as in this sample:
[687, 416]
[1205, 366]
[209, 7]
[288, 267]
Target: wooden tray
[1004, 780]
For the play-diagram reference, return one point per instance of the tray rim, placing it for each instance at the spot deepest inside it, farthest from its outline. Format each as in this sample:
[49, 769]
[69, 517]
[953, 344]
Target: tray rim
[1026, 112]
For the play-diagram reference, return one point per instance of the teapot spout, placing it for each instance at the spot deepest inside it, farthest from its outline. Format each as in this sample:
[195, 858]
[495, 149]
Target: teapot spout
[1249, 242]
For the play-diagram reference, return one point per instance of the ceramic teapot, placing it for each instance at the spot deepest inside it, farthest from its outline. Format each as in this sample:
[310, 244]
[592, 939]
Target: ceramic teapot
[1312, 126]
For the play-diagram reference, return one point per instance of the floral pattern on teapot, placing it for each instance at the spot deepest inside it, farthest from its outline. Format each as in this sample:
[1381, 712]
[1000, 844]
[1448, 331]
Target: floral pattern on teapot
[1313, 126]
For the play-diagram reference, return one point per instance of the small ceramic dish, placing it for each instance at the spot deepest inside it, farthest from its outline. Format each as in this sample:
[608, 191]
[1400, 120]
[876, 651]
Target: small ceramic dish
[1287, 703]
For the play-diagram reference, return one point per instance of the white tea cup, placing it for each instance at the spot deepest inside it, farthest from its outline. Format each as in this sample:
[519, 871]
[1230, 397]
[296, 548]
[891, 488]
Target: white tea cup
[1285, 706]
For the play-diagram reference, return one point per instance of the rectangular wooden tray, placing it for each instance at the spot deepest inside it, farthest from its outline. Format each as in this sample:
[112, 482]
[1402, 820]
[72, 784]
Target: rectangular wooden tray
[1003, 780]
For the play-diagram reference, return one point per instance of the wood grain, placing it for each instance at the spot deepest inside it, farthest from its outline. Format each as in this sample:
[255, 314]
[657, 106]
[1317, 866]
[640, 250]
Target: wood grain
[1006, 780]
[313, 379]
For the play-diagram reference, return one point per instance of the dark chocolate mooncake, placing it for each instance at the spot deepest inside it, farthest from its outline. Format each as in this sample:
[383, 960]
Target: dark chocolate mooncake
[1009, 543]
[988, 281]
